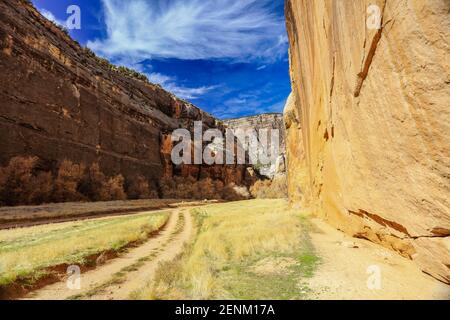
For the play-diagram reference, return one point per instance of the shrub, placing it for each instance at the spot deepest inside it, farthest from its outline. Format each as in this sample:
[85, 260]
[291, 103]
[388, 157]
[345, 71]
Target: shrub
[205, 189]
[97, 187]
[190, 188]
[167, 187]
[113, 189]
[233, 192]
[178, 188]
[270, 189]
[42, 188]
[139, 188]
[93, 182]
[184, 188]
[218, 185]
[68, 181]
[22, 183]
[16, 179]
[130, 73]
[127, 72]
[88, 52]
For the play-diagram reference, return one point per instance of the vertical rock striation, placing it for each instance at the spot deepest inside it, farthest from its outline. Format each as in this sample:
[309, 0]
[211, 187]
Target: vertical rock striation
[369, 120]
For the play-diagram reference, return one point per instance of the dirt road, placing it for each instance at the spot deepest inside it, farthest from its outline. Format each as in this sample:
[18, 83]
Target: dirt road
[28, 216]
[121, 277]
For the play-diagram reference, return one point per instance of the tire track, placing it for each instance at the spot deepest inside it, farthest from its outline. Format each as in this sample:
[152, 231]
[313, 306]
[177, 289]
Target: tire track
[117, 278]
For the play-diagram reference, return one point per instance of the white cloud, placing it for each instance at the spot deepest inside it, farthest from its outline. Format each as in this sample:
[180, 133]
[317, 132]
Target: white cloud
[189, 93]
[159, 78]
[169, 83]
[261, 68]
[192, 29]
[50, 16]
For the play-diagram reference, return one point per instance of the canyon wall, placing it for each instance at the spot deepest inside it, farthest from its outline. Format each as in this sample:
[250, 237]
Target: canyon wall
[59, 101]
[296, 170]
[368, 122]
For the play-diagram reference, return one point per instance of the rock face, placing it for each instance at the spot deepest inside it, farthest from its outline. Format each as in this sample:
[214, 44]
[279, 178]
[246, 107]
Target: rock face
[269, 121]
[295, 155]
[369, 120]
[58, 101]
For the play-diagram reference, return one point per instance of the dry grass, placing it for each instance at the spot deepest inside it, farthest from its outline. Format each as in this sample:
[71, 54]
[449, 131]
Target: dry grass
[232, 239]
[26, 253]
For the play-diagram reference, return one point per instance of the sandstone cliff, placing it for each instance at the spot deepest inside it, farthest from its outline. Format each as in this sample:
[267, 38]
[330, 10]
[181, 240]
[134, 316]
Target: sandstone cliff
[368, 122]
[58, 101]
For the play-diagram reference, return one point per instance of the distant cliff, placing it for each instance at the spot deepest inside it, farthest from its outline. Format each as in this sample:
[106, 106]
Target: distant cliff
[368, 122]
[267, 121]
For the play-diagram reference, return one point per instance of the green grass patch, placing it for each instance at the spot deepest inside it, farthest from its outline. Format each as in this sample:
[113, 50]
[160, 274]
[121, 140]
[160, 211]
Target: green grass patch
[257, 249]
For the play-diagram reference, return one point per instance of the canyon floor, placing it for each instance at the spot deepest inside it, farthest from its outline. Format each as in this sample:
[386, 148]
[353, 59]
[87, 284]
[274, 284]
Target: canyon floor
[257, 249]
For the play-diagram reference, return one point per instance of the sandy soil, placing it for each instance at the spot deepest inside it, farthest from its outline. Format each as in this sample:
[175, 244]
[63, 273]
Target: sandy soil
[120, 277]
[350, 267]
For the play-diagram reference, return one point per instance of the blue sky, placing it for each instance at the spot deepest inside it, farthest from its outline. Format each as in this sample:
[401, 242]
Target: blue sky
[228, 57]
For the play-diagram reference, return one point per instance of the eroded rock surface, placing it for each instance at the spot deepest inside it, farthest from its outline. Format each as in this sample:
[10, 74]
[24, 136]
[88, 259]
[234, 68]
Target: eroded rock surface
[368, 122]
